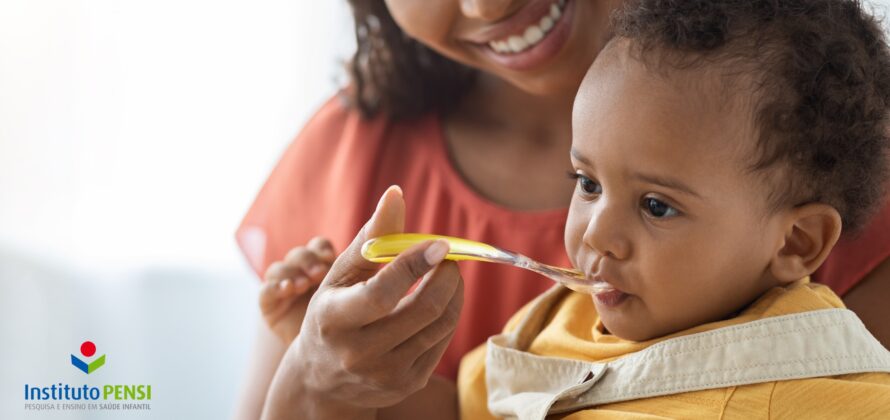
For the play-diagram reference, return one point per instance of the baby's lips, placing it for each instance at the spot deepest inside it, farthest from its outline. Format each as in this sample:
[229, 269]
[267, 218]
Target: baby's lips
[602, 285]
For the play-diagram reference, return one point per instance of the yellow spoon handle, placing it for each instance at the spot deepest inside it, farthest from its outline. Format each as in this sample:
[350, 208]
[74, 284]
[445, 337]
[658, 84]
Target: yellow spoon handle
[385, 248]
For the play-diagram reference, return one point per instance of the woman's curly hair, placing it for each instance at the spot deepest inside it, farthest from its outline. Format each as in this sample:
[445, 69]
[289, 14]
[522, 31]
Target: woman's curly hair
[822, 94]
[396, 75]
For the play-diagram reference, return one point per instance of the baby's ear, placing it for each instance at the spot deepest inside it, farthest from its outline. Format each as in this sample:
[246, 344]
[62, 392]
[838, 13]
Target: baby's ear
[811, 231]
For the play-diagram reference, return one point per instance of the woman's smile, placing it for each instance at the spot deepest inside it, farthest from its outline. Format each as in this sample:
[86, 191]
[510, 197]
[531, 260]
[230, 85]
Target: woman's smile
[530, 37]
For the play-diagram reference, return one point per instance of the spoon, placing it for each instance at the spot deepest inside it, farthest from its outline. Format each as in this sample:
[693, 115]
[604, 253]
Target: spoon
[385, 249]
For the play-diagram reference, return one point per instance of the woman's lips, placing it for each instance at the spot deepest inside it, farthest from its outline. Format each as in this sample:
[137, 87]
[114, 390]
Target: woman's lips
[530, 14]
[543, 51]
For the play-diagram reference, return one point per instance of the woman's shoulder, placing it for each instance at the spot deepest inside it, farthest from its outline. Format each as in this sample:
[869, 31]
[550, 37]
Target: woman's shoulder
[333, 124]
[338, 126]
[327, 180]
[340, 144]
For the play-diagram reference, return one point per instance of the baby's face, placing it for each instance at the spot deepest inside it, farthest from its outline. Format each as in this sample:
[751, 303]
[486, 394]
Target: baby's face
[664, 209]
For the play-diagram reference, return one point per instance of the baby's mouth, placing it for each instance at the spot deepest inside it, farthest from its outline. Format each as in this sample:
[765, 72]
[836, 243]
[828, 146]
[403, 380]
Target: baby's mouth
[606, 293]
[610, 297]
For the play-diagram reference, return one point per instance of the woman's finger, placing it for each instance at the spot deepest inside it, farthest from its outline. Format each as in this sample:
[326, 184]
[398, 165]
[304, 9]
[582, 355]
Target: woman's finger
[424, 306]
[350, 267]
[424, 365]
[430, 336]
[364, 303]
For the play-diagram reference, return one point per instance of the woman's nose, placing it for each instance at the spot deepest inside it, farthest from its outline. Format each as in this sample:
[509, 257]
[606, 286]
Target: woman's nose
[607, 232]
[489, 10]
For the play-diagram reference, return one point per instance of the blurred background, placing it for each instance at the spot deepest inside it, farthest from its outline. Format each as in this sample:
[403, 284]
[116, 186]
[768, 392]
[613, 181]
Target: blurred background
[133, 137]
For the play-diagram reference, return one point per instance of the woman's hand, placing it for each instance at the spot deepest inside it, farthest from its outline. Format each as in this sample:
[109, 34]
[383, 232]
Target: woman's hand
[290, 284]
[366, 342]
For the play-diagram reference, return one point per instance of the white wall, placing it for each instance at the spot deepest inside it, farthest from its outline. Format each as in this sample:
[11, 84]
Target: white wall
[143, 129]
[133, 136]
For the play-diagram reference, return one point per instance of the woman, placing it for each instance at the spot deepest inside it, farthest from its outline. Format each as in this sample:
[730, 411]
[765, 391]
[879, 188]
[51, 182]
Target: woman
[466, 105]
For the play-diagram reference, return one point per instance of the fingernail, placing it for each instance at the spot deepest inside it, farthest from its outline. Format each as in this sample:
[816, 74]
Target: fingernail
[316, 270]
[382, 198]
[282, 284]
[379, 206]
[436, 252]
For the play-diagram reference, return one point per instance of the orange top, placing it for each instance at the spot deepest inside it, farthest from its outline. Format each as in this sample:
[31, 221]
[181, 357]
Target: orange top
[329, 179]
[328, 182]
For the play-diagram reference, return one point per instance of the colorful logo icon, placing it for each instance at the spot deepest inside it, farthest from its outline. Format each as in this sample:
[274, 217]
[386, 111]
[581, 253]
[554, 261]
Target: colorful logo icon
[88, 349]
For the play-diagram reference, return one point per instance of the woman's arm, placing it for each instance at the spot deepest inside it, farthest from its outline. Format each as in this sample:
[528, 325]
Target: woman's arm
[366, 343]
[869, 300]
[436, 401]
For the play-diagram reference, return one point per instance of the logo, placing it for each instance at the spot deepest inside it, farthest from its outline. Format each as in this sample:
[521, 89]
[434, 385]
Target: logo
[88, 349]
[61, 396]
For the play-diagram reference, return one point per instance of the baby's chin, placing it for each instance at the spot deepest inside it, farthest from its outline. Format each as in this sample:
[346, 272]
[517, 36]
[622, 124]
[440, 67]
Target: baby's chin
[632, 328]
[639, 329]
[629, 333]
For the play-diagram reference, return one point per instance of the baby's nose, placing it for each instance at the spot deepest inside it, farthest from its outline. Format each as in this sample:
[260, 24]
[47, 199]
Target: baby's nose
[606, 232]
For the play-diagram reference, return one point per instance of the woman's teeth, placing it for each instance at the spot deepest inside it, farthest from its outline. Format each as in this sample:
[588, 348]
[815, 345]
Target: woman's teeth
[532, 35]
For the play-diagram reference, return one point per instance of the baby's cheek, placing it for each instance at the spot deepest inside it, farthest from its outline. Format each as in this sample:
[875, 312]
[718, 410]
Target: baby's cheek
[676, 299]
[573, 238]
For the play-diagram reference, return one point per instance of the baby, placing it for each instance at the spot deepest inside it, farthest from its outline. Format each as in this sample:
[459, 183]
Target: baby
[720, 147]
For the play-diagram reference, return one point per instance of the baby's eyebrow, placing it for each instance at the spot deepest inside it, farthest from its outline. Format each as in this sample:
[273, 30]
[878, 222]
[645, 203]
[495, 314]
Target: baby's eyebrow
[667, 182]
[577, 155]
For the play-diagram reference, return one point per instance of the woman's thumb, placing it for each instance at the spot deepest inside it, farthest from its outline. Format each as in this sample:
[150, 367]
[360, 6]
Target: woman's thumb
[389, 216]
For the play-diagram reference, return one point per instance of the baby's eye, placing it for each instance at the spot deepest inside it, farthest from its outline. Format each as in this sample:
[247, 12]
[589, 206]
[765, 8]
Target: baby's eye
[658, 208]
[588, 186]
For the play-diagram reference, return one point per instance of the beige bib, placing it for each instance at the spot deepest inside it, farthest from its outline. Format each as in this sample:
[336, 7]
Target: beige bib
[810, 344]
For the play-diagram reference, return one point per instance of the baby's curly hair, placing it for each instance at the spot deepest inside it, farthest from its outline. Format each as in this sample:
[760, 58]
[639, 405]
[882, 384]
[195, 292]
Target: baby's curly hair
[822, 87]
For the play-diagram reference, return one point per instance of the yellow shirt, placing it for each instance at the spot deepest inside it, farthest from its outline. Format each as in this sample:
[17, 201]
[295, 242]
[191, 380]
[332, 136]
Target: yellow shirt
[573, 330]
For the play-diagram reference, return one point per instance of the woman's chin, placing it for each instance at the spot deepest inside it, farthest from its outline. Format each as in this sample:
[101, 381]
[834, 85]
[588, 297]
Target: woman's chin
[551, 84]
